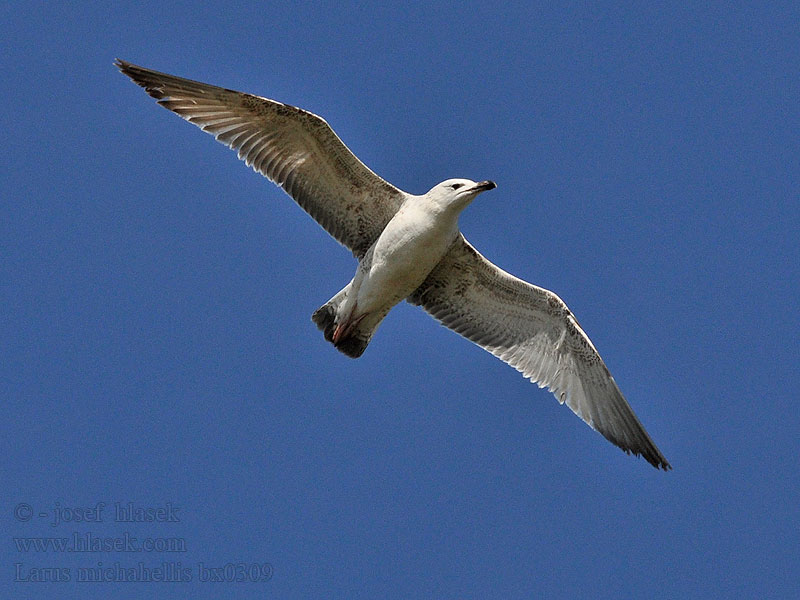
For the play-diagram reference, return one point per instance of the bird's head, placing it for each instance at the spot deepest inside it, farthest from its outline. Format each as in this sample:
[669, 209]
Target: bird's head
[457, 193]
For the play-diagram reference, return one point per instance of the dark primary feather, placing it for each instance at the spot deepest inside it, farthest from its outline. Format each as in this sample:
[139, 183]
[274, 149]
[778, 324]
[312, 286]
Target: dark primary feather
[292, 147]
[532, 330]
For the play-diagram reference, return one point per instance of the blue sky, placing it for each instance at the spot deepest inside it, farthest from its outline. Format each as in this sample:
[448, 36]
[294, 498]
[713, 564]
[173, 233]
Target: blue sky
[157, 347]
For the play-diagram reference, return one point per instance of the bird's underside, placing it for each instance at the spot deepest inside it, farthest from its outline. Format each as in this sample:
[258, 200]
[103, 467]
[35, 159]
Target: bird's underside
[526, 326]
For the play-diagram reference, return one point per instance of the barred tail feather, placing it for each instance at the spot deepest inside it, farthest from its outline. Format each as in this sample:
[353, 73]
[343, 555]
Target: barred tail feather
[354, 339]
[354, 343]
[325, 319]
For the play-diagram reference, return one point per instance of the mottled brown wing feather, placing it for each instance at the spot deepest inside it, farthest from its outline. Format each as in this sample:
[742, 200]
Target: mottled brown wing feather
[292, 147]
[532, 330]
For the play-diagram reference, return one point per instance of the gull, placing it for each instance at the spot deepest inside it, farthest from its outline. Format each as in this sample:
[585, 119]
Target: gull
[408, 248]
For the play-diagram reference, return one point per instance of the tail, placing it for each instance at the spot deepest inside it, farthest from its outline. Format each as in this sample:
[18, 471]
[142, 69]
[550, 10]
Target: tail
[350, 339]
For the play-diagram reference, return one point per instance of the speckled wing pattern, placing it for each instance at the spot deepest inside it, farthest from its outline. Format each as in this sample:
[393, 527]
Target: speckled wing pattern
[532, 330]
[292, 147]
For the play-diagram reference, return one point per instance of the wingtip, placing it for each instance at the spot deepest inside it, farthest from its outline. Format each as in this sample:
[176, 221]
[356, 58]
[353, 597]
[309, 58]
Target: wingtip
[656, 459]
[133, 71]
[645, 449]
[125, 68]
[634, 439]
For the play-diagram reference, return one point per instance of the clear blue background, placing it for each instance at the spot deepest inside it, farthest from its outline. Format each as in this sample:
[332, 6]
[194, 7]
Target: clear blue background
[155, 335]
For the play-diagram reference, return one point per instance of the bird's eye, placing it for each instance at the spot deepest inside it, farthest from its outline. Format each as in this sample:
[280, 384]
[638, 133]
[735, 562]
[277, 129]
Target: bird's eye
[455, 186]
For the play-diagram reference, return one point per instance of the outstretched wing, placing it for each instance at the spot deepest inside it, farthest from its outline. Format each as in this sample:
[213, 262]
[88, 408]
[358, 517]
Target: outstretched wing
[532, 330]
[292, 147]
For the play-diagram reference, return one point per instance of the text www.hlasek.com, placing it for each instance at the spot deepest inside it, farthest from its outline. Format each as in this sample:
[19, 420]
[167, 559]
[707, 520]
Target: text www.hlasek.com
[88, 542]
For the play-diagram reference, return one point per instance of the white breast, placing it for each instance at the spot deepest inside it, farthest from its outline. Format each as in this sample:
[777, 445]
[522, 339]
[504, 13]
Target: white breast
[410, 246]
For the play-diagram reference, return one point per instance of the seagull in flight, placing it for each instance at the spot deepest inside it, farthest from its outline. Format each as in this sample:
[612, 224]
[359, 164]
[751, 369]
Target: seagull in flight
[408, 248]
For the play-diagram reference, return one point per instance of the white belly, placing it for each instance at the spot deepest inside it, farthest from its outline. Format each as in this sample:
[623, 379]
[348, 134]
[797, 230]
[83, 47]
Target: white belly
[411, 245]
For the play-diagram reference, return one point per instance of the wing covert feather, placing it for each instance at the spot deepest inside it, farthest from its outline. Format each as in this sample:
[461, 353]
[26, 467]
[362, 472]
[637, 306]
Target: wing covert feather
[531, 329]
[292, 147]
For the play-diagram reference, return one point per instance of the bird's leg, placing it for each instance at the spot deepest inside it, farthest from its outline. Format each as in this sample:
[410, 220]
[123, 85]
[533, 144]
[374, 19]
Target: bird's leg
[343, 329]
